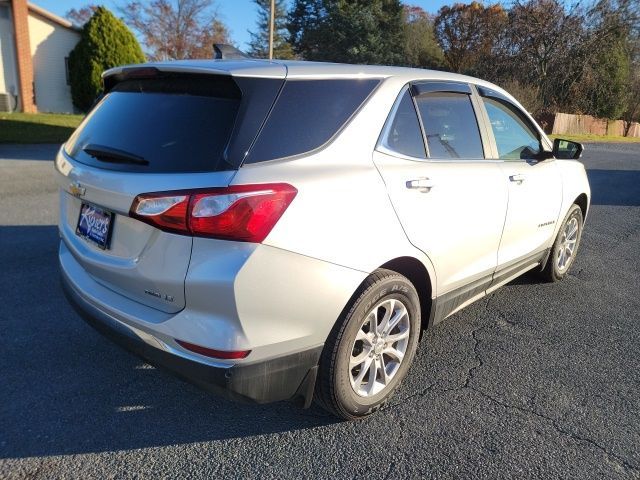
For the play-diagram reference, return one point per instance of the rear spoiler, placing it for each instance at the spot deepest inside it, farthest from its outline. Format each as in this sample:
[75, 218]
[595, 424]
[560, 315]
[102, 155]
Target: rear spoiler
[112, 77]
[236, 67]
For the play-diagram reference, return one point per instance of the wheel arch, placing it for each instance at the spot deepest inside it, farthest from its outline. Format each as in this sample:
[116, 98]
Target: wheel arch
[583, 202]
[419, 276]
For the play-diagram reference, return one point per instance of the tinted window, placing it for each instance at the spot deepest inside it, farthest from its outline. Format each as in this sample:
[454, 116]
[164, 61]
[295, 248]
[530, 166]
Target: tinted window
[450, 126]
[402, 133]
[174, 125]
[514, 138]
[307, 114]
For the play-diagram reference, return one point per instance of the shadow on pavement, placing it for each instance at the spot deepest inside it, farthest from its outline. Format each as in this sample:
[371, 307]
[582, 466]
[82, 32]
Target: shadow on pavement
[67, 390]
[39, 152]
[615, 187]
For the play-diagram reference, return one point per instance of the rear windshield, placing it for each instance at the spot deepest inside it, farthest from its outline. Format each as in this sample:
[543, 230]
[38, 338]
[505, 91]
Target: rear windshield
[160, 125]
[307, 114]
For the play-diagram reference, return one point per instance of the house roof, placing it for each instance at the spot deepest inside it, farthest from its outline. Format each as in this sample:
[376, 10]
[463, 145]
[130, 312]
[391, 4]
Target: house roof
[52, 17]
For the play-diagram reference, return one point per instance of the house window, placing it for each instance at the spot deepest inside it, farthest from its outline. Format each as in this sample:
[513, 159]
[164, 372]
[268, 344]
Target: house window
[66, 70]
[4, 11]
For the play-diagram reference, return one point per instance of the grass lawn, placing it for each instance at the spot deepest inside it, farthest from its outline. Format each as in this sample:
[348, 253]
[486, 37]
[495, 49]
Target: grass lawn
[37, 127]
[587, 138]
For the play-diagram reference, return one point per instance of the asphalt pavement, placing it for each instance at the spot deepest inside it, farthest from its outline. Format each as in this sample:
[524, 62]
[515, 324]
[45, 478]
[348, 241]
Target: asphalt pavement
[535, 381]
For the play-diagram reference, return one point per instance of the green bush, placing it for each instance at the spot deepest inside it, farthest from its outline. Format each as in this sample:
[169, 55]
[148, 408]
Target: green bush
[105, 42]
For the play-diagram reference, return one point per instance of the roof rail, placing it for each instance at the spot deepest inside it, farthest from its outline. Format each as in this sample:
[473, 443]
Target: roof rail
[224, 51]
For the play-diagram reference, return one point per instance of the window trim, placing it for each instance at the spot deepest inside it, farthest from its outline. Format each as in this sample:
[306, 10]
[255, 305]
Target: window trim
[487, 137]
[448, 87]
[423, 132]
[479, 122]
[434, 86]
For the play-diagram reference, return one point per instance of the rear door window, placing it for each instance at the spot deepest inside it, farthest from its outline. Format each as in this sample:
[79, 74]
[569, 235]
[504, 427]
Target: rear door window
[160, 125]
[402, 133]
[307, 114]
[450, 126]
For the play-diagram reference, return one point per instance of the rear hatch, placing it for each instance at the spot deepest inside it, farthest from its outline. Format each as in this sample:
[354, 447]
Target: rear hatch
[153, 131]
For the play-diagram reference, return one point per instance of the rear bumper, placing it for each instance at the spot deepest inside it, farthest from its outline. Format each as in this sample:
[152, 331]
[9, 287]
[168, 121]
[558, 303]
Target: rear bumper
[287, 377]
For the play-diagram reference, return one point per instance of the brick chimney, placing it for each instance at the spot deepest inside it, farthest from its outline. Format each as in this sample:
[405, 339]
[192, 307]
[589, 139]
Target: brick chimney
[20, 14]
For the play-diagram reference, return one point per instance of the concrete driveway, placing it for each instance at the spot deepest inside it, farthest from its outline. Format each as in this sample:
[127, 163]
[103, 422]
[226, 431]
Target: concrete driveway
[537, 380]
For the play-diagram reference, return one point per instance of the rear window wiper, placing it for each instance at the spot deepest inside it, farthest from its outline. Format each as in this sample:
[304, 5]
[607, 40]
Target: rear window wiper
[113, 155]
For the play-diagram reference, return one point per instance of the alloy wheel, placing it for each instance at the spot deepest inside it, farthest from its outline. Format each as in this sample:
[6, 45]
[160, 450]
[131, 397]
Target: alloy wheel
[379, 348]
[567, 246]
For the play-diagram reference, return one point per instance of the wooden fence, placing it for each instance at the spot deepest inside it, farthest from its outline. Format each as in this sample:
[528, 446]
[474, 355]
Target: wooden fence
[565, 123]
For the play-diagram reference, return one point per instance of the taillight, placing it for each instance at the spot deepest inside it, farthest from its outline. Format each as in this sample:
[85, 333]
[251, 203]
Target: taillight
[242, 212]
[167, 212]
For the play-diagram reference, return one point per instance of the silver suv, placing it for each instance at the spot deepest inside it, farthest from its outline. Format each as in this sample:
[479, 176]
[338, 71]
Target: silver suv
[285, 230]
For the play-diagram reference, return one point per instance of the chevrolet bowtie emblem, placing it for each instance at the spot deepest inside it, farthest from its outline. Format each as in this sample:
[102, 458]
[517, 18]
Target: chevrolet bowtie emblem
[76, 189]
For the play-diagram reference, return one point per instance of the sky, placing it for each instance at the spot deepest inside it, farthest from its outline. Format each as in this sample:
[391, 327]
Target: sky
[239, 15]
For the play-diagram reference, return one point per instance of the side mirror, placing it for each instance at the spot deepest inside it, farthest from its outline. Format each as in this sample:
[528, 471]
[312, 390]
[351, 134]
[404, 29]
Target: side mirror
[566, 149]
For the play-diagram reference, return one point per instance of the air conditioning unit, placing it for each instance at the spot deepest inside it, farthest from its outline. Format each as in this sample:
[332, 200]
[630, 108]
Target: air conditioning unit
[6, 102]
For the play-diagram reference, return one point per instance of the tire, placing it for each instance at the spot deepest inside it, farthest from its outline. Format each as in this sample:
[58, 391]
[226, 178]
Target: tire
[345, 389]
[557, 267]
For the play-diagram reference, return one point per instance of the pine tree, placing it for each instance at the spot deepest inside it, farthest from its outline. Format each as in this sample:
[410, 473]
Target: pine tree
[105, 42]
[305, 28]
[349, 31]
[259, 44]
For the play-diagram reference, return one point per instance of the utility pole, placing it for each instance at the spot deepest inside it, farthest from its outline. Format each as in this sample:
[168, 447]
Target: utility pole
[271, 22]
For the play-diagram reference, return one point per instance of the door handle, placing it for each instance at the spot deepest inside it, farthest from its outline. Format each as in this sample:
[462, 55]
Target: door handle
[423, 184]
[518, 177]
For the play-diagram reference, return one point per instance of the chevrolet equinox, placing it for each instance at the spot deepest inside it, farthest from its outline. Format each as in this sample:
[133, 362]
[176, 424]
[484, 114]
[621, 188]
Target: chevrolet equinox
[285, 230]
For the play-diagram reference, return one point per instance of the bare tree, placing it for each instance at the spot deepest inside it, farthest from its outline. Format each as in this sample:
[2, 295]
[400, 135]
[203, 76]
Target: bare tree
[468, 32]
[572, 55]
[543, 45]
[176, 29]
[80, 16]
